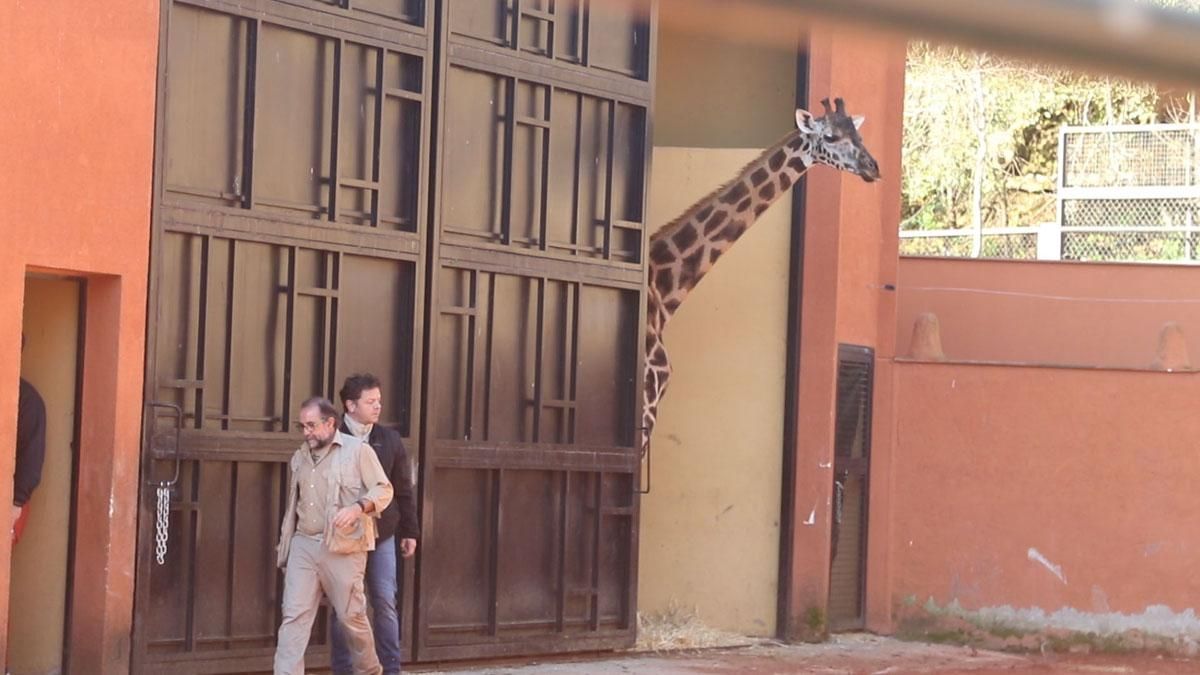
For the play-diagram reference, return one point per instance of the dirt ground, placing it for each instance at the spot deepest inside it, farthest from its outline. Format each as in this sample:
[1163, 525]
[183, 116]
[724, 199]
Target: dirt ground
[843, 655]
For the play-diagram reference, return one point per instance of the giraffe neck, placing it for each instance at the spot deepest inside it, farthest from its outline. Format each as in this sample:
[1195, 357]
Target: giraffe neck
[683, 252]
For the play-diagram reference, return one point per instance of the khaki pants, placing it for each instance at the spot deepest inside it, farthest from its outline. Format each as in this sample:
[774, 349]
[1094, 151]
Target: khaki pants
[311, 568]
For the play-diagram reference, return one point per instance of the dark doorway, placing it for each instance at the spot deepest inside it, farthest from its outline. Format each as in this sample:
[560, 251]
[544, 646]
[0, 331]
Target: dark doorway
[851, 480]
[40, 589]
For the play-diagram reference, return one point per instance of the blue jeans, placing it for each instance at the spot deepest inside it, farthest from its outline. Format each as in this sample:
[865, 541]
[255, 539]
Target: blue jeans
[380, 582]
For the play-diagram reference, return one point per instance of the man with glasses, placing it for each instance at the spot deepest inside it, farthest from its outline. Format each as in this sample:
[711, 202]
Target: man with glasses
[337, 489]
[362, 399]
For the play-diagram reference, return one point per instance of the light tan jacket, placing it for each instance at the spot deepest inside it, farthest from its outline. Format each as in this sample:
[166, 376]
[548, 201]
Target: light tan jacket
[355, 473]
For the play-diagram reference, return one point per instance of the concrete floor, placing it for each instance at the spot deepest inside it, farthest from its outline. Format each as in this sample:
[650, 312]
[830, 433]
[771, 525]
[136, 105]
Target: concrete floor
[843, 655]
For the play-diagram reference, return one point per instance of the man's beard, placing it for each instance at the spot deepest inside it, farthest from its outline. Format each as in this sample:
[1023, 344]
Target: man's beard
[317, 443]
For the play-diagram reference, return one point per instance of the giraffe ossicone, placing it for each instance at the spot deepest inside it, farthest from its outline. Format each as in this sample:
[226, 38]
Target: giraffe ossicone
[684, 250]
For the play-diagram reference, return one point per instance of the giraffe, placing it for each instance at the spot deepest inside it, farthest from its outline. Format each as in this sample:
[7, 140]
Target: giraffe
[684, 250]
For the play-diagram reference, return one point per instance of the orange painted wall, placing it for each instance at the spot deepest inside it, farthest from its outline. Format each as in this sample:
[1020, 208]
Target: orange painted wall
[1049, 312]
[1021, 487]
[1094, 470]
[77, 129]
[851, 247]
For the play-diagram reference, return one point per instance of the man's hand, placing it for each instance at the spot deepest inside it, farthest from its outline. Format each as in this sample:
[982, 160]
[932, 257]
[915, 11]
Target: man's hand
[408, 547]
[347, 516]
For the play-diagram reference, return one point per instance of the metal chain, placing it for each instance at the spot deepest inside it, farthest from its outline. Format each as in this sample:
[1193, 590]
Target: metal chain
[162, 524]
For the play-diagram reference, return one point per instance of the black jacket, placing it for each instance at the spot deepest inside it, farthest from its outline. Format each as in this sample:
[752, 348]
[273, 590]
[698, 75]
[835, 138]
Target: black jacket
[31, 443]
[400, 517]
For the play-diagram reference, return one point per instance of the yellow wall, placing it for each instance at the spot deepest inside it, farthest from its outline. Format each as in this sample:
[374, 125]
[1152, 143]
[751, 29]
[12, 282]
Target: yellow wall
[710, 526]
[39, 563]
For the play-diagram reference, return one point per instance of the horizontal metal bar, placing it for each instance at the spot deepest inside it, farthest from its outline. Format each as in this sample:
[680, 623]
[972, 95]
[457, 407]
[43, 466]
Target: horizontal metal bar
[1130, 229]
[543, 264]
[1125, 128]
[406, 94]
[208, 194]
[358, 183]
[1125, 192]
[628, 225]
[458, 311]
[181, 384]
[987, 231]
[532, 122]
[539, 14]
[466, 52]
[558, 403]
[318, 292]
[540, 456]
[305, 233]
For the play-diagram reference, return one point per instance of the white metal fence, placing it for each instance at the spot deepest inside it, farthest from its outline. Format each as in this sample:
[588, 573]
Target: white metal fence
[1125, 193]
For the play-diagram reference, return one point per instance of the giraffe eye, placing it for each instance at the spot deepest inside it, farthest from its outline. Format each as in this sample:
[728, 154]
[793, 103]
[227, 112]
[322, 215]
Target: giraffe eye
[829, 138]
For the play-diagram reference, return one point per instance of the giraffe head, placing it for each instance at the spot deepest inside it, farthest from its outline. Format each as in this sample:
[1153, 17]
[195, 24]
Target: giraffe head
[834, 140]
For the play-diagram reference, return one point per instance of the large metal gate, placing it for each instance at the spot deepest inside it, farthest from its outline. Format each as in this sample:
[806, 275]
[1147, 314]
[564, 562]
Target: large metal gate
[450, 196]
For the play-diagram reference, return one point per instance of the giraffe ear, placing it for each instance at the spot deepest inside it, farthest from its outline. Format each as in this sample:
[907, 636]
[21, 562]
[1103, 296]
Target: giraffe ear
[858, 120]
[805, 121]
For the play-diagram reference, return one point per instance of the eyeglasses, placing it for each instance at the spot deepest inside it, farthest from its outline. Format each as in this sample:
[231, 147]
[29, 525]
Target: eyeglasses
[311, 426]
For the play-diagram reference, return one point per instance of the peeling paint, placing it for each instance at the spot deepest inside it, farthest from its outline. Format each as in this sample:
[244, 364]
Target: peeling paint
[812, 517]
[1056, 570]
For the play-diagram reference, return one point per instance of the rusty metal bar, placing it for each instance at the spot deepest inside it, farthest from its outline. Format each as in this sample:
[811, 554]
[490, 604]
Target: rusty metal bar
[250, 115]
[230, 295]
[377, 142]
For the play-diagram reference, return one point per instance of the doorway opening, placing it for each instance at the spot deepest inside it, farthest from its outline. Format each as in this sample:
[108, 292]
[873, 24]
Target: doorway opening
[42, 557]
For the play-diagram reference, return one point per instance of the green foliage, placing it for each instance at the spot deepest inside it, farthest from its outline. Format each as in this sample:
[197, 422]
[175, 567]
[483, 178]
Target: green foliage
[977, 121]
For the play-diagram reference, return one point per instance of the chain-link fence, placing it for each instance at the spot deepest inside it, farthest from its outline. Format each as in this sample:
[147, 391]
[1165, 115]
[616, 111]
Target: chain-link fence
[1125, 193]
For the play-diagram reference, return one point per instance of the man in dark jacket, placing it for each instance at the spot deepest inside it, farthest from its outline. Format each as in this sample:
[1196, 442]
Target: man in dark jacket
[31, 451]
[397, 526]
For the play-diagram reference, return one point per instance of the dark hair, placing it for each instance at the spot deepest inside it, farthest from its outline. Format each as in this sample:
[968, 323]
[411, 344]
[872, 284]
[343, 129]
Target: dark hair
[355, 385]
[322, 405]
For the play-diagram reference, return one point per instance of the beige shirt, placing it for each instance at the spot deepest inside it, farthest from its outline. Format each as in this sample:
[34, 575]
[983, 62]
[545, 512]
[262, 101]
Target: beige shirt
[313, 479]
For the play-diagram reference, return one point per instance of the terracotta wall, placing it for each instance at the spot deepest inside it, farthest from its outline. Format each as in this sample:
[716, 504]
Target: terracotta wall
[77, 128]
[1033, 501]
[850, 253]
[1049, 312]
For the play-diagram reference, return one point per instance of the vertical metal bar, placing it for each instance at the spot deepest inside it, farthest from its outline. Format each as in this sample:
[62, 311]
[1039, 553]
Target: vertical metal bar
[249, 137]
[585, 29]
[577, 177]
[377, 148]
[551, 30]
[544, 188]
[490, 324]
[289, 338]
[510, 113]
[192, 515]
[608, 178]
[335, 177]
[227, 374]
[231, 558]
[332, 319]
[564, 495]
[539, 360]
[516, 25]
[598, 521]
[571, 387]
[469, 398]
[202, 332]
[494, 559]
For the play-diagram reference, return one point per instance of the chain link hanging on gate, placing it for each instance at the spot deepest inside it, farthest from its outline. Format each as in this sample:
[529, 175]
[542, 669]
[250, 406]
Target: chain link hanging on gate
[162, 523]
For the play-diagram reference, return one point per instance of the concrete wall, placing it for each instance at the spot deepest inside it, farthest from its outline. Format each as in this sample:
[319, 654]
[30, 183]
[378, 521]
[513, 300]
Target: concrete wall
[710, 526]
[77, 128]
[37, 600]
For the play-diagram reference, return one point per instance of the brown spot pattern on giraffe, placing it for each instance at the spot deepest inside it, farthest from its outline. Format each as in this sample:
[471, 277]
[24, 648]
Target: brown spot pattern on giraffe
[785, 182]
[660, 253]
[776, 160]
[665, 280]
[685, 237]
[735, 194]
[659, 358]
[796, 143]
[713, 223]
[732, 231]
[744, 205]
[758, 210]
[704, 213]
[690, 269]
[768, 191]
[671, 306]
[759, 176]
[713, 254]
[796, 163]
